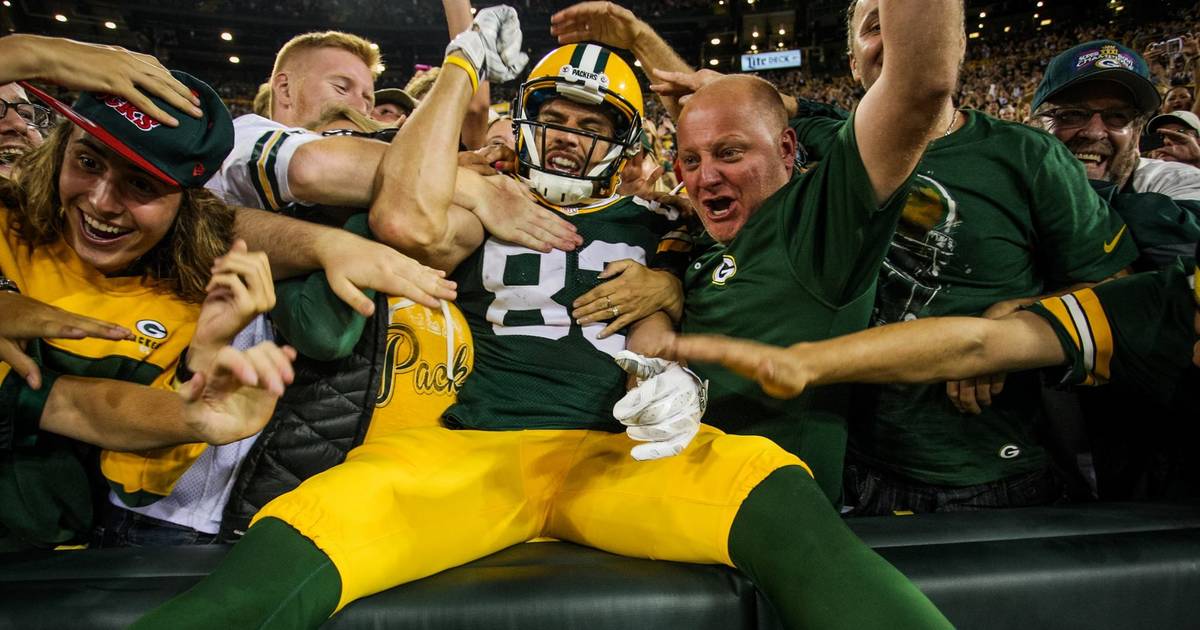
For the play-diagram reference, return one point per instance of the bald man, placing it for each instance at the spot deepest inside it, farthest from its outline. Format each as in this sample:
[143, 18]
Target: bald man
[793, 258]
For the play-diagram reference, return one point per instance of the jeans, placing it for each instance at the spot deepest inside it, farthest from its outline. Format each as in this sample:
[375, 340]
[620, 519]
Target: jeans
[873, 492]
[122, 528]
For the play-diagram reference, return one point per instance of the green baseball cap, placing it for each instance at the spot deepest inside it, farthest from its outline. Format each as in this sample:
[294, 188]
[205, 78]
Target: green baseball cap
[1105, 60]
[186, 156]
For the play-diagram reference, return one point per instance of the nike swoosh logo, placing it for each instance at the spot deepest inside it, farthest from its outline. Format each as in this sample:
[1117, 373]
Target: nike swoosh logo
[1111, 245]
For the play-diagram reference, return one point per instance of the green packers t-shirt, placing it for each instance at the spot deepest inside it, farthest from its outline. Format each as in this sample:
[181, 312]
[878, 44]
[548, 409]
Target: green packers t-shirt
[996, 211]
[802, 268]
[535, 368]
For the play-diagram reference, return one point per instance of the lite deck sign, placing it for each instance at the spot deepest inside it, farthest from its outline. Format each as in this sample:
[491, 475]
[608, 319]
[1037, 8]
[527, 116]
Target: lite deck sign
[771, 60]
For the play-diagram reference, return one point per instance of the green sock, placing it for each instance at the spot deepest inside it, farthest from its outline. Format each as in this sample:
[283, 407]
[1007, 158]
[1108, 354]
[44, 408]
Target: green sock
[272, 578]
[813, 569]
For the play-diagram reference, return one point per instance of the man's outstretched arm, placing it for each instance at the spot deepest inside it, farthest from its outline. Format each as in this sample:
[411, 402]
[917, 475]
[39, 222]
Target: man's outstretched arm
[925, 350]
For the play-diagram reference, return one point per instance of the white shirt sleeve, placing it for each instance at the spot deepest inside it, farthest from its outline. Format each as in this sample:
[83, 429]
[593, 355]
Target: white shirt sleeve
[256, 172]
[1173, 179]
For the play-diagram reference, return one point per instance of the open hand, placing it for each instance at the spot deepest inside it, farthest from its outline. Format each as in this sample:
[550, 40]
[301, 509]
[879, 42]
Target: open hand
[25, 318]
[111, 70]
[234, 396]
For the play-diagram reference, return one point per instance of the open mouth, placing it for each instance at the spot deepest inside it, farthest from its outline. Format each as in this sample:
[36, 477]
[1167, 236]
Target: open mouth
[101, 232]
[10, 154]
[718, 208]
[564, 163]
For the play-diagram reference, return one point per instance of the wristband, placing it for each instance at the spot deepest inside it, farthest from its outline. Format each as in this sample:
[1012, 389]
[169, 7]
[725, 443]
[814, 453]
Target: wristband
[183, 373]
[465, 65]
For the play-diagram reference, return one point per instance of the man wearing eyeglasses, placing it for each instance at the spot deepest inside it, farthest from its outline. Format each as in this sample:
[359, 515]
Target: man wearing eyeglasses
[1097, 98]
[21, 125]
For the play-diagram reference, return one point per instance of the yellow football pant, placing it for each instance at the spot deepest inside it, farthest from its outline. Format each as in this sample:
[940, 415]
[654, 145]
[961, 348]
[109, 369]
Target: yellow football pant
[418, 501]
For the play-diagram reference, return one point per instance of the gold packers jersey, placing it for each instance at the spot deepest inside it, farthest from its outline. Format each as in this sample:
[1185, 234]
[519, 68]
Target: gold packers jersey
[162, 324]
[418, 383]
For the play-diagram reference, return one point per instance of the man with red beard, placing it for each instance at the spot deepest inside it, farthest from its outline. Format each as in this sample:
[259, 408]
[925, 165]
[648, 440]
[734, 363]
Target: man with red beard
[21, 123]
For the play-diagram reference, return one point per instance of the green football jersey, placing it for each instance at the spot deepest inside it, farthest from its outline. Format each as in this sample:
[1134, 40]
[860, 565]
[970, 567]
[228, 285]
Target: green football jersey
[535, 368]
[997, 211]
[802, 268]
[1138, 330]
[1137, 334]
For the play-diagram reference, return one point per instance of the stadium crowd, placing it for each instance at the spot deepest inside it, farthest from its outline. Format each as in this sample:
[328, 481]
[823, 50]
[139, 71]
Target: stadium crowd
[794, 299]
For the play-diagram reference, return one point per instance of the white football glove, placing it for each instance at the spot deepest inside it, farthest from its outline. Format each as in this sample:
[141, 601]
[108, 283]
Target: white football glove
[493, 44]
[665, 408]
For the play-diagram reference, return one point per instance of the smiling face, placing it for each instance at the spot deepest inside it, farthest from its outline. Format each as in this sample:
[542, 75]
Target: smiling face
[17, 137]
[317, 77]
[734, 151]
[115, 212]
[570, 153]
[1108, 151]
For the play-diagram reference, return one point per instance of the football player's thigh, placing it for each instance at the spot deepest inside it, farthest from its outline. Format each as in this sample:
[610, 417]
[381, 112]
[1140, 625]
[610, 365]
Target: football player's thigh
[411, 504]
[676, 508]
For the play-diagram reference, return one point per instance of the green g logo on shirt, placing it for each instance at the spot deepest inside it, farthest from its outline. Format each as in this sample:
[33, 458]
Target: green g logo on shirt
[725, 270]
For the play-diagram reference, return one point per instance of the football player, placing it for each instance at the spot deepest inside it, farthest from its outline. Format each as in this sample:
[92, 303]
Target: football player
[531, 448]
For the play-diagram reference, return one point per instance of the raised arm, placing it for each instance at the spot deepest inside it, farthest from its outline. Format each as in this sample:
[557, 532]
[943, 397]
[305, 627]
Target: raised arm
[924, 350]
[906, 107]
[475, 124]
[417, 177]
[616, 26]
[95, 68]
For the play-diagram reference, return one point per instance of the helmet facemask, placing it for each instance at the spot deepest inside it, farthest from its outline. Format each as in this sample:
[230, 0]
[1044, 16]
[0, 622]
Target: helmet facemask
[603, 156]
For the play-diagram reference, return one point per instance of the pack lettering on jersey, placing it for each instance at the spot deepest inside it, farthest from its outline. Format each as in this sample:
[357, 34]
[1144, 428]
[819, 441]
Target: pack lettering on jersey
[420, 383]
[536, 367]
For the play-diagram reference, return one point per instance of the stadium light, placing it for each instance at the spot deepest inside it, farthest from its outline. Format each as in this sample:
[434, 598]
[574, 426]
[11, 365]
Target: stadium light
[982, 14]
[637, 63]
[7, 3]
[754, 47]
[1035, 16]
[713, 62]
[473, 10]
[1046, 22]
[716, 41]
[782, 31]
[374, 46]
[981, 25]
[754, 34]
[973, 36]
[110, 25]
[1039, 4]
[60, 17]
[227, 36]
[1007, 29]
[235, 59]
